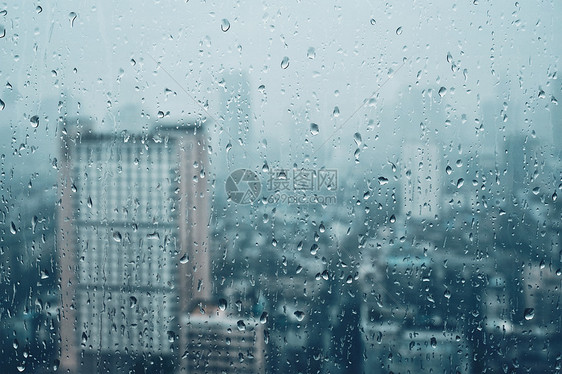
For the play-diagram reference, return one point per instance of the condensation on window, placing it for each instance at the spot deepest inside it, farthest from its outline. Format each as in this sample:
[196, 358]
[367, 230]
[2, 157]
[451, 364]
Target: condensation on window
[280, 187]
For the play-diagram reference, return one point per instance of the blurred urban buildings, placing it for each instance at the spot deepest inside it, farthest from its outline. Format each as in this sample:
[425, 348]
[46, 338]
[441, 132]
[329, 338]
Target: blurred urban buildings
[133, 244]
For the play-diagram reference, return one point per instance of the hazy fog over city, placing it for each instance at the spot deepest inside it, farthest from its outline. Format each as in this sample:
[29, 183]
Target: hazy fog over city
[173, 56]
[336, 187]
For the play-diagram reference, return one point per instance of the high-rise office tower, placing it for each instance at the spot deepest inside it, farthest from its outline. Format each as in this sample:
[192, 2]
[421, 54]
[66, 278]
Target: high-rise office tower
[235, 127]
[421, 180]
[235, 104]
[556, 126]
[133, 244]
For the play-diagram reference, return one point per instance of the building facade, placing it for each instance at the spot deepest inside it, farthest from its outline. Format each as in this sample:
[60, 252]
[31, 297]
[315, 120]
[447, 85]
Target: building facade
[421, 180]
[218, 343]
[132, 243]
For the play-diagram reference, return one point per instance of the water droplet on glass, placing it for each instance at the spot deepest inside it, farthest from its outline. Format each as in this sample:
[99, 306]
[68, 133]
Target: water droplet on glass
[13, 229]
[299, 315]
[314, 130]
[285, 62]
[72, 16]
[314, 249]
[383, 181]
[442, 91]
[171, 336]
[132, 302]
[90, 203]
[373, 21]
[34, 121]
[336, 112]
[433, 342]
[529, 314]
[38, 9]
[399, 30]
[448, 170]
[536, 190]
[241, 325]
[34, 221]
[263, 318]
[2, 105]
[447, 294]
[117, 236]
[225, 25]
[222, 304]
[184, 259]
[2, 32]
[311, 53]
[153, 236]
[460, 182]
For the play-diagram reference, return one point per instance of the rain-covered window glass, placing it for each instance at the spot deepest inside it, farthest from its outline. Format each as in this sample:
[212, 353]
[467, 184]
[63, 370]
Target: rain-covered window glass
[322, 187]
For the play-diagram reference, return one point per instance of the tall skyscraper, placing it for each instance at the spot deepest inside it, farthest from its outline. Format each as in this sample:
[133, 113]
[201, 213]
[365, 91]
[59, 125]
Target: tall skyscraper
[236, 125]
[236, 104]
[556, 123]
[132, 241]
[421, 180]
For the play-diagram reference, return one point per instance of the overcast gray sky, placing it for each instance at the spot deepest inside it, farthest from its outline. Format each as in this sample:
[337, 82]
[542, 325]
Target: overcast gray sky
[504, 51]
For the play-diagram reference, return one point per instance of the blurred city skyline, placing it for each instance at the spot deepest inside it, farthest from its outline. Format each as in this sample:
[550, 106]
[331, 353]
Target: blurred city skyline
[147, 71]
[407, 158]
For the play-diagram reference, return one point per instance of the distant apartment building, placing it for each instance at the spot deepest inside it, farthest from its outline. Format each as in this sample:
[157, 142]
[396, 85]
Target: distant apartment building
[543, 295]
[402, 329]
[218, 343]
[132, 243]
